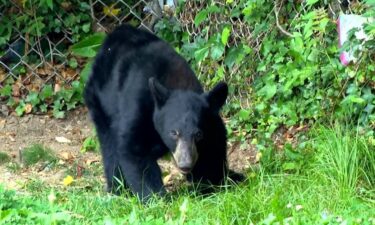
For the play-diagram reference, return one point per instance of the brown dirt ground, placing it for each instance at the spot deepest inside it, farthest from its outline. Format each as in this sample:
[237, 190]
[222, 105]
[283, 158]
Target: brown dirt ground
[16, 133]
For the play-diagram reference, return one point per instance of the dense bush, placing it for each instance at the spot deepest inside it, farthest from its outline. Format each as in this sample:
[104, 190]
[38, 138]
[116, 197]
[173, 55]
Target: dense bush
[281, 61]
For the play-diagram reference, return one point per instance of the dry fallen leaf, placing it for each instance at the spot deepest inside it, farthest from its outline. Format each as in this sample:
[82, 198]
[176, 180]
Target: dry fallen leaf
[67, 156]
[2, 123]
[11, 136]
[68, 73]
[57, 88]
[16, 90]
[28, 108]
[91, 161]
[62, 140]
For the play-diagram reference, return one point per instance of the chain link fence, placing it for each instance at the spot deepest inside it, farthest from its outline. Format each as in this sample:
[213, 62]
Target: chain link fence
[30, 59]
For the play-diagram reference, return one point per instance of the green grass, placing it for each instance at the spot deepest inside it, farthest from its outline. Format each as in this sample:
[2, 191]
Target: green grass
[344, 159]
[36, 153]
[4, 158]
[335, 187]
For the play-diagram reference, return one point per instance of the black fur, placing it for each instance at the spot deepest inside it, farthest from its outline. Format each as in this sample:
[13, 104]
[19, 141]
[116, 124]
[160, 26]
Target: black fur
[139, 90]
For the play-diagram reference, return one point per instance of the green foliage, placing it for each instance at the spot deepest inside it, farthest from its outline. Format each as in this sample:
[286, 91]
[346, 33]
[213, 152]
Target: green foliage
[37, 153]
[91, 143]
[66, 98]
[16, 210]
[53, 19]
[89, 46]
[4, 158]
[38, 18]
[348, 158]
[287, 80]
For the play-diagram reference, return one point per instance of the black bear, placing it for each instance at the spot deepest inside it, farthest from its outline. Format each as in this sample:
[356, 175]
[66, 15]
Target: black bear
[145, 101]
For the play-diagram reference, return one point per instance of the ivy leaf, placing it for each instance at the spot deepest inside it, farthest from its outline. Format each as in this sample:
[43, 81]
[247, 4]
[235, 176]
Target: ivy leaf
[6, 90]
[58, 114]
[248, 10]
[201, 54]
[311, 2]
[49, 3]
[46, 92]
[231, 56]
[86, 27]
[73, 63]
[200, 17]
[88, 46]
[244, 114]
[20, 110]
[33, 98]
[86, 71]
[225, 35]
[70, 105]
[296, 44]
[43, 108]
[217, 51]
[268, 91]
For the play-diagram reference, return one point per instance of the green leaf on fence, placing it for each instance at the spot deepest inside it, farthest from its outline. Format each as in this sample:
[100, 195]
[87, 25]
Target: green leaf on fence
[244, 114]
[46, 92]
[49, 3]
[311, 2]
[89, 46]
[20, 110]
[225, 35]
[201, 54]
[200, 17]
[33, 98]
[217, 51]
[6, 90]
[86, 71]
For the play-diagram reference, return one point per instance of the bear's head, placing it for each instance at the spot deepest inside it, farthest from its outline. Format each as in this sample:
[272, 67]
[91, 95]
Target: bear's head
[183, 118]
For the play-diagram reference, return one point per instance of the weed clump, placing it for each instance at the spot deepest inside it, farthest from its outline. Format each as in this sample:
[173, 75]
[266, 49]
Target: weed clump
[4, 158]
[36, 153]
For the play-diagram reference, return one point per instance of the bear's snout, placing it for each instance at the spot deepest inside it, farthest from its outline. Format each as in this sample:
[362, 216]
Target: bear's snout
[185, 155]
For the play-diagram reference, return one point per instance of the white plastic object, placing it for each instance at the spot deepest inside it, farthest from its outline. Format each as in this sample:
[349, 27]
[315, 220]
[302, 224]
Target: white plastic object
[345, 23]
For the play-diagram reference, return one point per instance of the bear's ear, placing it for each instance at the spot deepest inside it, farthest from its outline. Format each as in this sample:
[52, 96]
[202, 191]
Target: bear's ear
[217, 96]
[159, 93]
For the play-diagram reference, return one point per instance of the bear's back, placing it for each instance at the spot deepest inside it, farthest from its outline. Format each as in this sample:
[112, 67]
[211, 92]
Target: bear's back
[125, 62]
[128, 49]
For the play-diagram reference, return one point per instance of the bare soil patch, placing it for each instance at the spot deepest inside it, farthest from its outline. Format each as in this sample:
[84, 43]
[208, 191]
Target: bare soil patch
[65, 138]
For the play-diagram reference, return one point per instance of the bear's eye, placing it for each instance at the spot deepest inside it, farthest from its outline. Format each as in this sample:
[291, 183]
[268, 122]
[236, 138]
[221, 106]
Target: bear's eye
[198, 135]
[174, 134]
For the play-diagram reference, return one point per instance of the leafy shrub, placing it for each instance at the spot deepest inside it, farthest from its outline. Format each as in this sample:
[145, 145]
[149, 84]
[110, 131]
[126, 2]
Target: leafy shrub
[279, 80]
